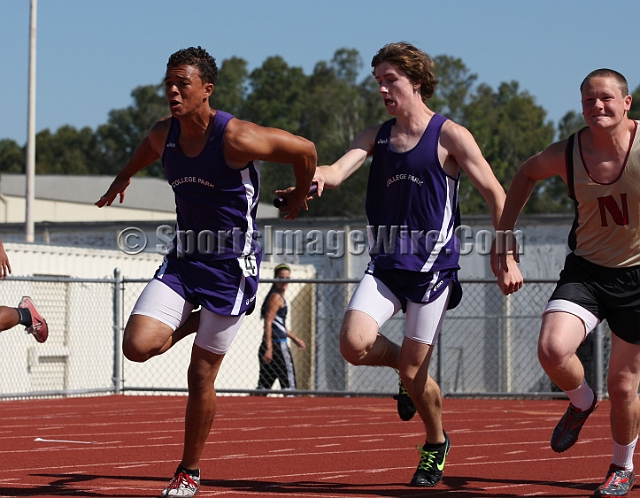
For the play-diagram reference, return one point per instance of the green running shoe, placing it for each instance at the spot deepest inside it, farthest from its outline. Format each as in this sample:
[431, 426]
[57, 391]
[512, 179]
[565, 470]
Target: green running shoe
[431, 466]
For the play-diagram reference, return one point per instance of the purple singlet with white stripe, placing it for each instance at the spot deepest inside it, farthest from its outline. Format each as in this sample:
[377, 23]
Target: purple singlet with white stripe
[412, 205]
[213, 200]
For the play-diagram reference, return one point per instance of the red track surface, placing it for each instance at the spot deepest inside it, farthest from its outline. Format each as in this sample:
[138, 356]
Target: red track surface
[119, 446]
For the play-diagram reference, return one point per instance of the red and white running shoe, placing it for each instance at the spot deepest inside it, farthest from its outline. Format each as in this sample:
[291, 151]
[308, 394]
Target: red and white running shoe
[183, 485]
[38, 327]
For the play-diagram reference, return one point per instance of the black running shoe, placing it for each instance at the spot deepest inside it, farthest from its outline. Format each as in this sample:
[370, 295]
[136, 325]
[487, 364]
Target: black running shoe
[566, 432]
[406, 408]
[619, 482]
[431, 466]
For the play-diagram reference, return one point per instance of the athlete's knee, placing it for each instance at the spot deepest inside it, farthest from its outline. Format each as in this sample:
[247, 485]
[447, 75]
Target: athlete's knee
[552, 355]
[133, 346]
[353, 346]
[357, 337]
[408, 378]
[198, 378]
[419, 388]
[560, 336]
[622, 389]
[145, 337]
[545, 356]
[132, 352]
[352, 352]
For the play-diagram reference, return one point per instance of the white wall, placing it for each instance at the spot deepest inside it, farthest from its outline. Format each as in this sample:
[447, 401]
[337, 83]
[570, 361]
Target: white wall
[79, 352]
[44, 259]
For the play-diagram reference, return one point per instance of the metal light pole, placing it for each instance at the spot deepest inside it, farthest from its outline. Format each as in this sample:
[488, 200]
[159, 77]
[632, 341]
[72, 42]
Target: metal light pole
[31, 128]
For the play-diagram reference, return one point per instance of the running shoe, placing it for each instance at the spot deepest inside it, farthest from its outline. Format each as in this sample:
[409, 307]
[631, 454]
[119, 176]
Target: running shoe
[183, 484]
[38, 326]
[431, 466]
[566, 432]
[406, 408]
[619, 482]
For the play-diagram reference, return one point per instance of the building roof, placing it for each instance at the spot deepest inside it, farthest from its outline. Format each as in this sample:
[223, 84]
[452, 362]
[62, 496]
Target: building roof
[148, 193]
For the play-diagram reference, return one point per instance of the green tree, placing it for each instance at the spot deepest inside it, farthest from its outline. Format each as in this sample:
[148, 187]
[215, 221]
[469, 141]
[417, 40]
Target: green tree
[12, 157]
[230, 91]
[126, 128]
[569, 124]
[509, 128]
[454, 86]
[277, 95]
[68, 151]
[334, 104]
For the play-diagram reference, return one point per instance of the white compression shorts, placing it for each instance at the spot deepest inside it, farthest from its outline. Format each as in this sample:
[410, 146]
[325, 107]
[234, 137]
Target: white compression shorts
[423, 320]
[589, 320]
[215, 332]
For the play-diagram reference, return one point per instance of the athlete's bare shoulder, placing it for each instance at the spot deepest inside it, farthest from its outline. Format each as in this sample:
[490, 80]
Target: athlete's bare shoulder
[453, 133]
[159, 132]
[366, 139]
[241, 130]
[555, 154]
[547, 163]
[276, 300]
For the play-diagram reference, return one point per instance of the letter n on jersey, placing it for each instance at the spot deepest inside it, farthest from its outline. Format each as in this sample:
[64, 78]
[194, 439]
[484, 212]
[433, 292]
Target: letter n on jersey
[608, 203]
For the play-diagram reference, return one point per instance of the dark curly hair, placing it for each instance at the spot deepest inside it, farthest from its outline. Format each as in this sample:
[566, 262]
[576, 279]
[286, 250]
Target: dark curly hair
[199, 58]
[418, 66]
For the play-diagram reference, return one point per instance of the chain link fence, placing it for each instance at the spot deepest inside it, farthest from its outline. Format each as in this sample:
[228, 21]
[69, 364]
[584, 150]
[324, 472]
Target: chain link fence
[487, 347]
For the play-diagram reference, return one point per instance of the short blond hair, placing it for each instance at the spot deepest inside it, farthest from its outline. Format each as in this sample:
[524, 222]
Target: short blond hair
[621, 81]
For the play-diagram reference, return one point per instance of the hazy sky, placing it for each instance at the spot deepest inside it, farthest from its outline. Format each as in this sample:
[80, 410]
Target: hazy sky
[91, 54]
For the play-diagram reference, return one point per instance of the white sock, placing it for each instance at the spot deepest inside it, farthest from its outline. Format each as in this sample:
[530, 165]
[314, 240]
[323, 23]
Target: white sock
[581, 397]
[623, 455]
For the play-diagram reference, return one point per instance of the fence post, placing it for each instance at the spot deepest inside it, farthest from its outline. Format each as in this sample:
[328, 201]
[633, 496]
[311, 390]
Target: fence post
[117, 331]
[598, 353]
[505, 346]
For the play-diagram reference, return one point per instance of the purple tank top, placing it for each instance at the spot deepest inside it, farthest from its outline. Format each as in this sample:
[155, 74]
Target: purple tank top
[412, 205]
[215, 204]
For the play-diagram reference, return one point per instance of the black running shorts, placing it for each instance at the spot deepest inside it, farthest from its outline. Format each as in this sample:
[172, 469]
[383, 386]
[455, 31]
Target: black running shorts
[611, 294]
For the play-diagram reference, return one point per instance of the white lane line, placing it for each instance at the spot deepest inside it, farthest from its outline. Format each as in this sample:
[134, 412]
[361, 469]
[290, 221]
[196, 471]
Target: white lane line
[40, 440]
